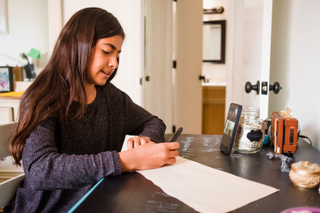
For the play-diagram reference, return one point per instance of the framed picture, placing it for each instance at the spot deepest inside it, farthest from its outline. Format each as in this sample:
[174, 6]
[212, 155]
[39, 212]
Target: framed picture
[6, 79]
[3, 17]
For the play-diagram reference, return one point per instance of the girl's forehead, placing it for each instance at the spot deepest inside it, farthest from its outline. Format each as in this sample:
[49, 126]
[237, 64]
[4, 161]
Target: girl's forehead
[114, 42]
[113, 39]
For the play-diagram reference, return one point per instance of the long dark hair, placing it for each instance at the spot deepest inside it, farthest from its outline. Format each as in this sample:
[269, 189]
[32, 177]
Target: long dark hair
[62, 80]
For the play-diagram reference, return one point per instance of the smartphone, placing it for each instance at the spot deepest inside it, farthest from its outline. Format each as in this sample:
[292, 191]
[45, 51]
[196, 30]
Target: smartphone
[230, 128]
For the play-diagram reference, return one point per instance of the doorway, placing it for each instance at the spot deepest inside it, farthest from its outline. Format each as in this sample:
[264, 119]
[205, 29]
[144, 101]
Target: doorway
[214, 71]
[173, 90]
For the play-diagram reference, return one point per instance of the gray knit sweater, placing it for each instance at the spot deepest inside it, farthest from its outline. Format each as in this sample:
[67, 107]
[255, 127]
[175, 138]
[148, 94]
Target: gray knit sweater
[60, 171]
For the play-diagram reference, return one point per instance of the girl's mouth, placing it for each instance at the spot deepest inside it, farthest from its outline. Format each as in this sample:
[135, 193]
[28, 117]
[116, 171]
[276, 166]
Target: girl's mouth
[107, 74]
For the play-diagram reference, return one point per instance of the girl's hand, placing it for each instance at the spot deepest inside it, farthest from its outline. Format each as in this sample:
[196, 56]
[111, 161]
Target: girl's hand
[137, 141]
[149, 156]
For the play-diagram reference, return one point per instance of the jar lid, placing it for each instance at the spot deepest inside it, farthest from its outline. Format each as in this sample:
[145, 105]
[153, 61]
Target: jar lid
[306, 168]
[251, 109]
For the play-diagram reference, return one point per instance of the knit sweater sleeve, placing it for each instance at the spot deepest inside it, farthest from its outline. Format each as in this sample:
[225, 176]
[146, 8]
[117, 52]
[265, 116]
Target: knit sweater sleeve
[47, 169]
[141, 122]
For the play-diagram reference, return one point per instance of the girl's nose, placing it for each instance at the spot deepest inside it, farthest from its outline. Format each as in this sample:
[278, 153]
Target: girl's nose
[113, 63]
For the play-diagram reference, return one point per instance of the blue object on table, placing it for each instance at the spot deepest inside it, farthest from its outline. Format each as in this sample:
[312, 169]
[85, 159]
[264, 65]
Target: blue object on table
[84, 197]
[266, 140]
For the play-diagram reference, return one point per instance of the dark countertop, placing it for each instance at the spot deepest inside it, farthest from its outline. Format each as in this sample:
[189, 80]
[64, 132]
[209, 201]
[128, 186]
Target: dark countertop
[132, 192]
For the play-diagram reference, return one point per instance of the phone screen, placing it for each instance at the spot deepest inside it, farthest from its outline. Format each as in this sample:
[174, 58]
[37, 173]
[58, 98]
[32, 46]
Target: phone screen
[230, 127]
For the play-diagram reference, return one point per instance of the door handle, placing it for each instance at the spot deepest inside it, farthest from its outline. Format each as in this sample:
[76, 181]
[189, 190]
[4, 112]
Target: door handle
[202, 77]
[249, 87]
[275, 87]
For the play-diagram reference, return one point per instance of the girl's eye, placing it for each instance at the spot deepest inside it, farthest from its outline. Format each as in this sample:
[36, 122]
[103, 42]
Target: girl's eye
[105, 52]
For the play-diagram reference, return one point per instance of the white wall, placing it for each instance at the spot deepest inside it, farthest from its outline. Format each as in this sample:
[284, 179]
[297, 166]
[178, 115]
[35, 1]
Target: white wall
[129, 14]
[27, 28]
[216, 72]
[295, 62]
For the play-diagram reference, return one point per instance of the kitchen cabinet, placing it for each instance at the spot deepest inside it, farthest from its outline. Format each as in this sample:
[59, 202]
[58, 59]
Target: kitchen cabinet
[213, 109]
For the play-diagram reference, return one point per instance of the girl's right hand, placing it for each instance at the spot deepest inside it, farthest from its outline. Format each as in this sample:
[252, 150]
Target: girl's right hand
[149, 156]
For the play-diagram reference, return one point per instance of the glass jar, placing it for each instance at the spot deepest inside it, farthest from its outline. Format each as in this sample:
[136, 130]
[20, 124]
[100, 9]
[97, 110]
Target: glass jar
[250, 133]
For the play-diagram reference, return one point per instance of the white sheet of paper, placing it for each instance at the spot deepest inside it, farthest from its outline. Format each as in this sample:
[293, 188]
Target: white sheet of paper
[124, 145]
[206, 189]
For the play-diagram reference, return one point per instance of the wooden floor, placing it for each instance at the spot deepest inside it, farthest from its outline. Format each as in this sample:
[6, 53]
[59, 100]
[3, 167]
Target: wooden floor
[213, 109]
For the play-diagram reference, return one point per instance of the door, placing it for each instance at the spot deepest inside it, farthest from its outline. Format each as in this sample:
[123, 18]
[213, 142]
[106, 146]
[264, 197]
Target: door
[157, 79]
[249, 52]
[188, 55]
[173, 32]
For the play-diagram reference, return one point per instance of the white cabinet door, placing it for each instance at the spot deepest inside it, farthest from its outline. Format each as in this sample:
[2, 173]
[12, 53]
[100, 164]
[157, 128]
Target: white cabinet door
[6, 115]
[11, 106]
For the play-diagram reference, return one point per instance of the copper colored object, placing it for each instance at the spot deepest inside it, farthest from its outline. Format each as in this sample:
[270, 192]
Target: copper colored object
[284, 133]
[305, 174]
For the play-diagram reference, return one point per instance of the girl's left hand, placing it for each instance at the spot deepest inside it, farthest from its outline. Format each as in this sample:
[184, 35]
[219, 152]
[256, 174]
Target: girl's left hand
[137, 141]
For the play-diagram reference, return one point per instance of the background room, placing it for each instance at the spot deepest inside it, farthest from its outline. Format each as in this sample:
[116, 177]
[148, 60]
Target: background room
[293, 62]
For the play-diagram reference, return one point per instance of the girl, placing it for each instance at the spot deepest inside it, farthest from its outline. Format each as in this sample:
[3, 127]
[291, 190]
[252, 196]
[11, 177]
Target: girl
[72, 120]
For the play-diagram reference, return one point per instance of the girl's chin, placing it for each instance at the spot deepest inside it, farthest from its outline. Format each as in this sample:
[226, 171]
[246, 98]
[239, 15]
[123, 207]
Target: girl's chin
[101, 83]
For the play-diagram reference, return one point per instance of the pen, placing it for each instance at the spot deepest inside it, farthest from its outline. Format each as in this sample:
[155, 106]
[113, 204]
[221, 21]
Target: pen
[175, 137]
